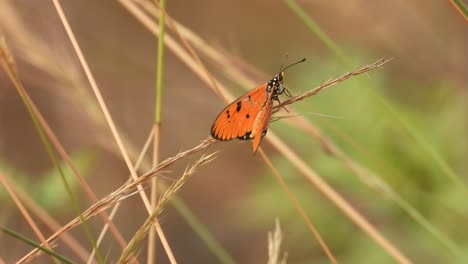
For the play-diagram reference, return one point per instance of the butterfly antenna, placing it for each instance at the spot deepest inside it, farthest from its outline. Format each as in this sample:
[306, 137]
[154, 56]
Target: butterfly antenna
[292, 64]
[284, 62]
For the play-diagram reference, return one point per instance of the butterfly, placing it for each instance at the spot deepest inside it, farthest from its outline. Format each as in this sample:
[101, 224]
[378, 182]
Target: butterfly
[248, 117]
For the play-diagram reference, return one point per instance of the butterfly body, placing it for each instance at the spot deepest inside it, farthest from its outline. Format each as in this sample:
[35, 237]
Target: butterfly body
[248, 117]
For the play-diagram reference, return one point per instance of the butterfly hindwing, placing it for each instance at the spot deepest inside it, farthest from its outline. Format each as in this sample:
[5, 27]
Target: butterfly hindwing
[263, 122]
[238, 118]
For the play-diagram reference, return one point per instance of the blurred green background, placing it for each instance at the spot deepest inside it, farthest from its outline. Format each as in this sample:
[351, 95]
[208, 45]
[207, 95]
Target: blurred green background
[406, 123]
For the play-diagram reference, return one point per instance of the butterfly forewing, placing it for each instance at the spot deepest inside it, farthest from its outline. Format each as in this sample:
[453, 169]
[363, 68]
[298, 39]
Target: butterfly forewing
[238, 118]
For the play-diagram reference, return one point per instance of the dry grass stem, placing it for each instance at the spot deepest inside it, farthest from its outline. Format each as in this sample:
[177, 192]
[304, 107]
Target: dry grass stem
[275, 238]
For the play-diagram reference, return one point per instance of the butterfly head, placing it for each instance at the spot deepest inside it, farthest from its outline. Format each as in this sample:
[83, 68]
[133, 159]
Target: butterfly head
[280, 77]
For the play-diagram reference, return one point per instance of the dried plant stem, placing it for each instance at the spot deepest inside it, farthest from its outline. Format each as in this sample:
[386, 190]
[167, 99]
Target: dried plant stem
[298, 207]
[111, 123]
[275, 238]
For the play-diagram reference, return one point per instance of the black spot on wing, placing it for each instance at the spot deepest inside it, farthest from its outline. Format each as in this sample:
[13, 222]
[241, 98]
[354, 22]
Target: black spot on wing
[239, 106]
[247, 116]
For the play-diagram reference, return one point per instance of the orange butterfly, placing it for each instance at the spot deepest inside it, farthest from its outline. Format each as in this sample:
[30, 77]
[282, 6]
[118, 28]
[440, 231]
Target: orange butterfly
[248, 116]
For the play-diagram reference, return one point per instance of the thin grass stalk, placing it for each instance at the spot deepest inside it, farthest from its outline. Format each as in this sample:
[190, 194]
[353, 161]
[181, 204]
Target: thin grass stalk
[157, 128]
[8, 64]
[298, 207]
[24, 212]
[110, 123]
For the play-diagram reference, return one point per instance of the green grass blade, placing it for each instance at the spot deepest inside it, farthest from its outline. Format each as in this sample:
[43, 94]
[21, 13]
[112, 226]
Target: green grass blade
[462, 7]
[36, 245]
[160, 66]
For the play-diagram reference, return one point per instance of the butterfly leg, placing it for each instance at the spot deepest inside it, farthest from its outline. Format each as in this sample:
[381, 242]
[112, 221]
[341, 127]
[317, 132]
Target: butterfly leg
[286, 91]
[279, 102]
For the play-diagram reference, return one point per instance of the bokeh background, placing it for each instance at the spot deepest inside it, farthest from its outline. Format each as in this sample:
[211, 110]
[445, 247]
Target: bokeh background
[406, 123]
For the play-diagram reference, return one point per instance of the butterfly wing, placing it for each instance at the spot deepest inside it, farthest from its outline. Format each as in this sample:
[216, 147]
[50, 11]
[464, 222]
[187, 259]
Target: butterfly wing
[238, 118]
[261, 124]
